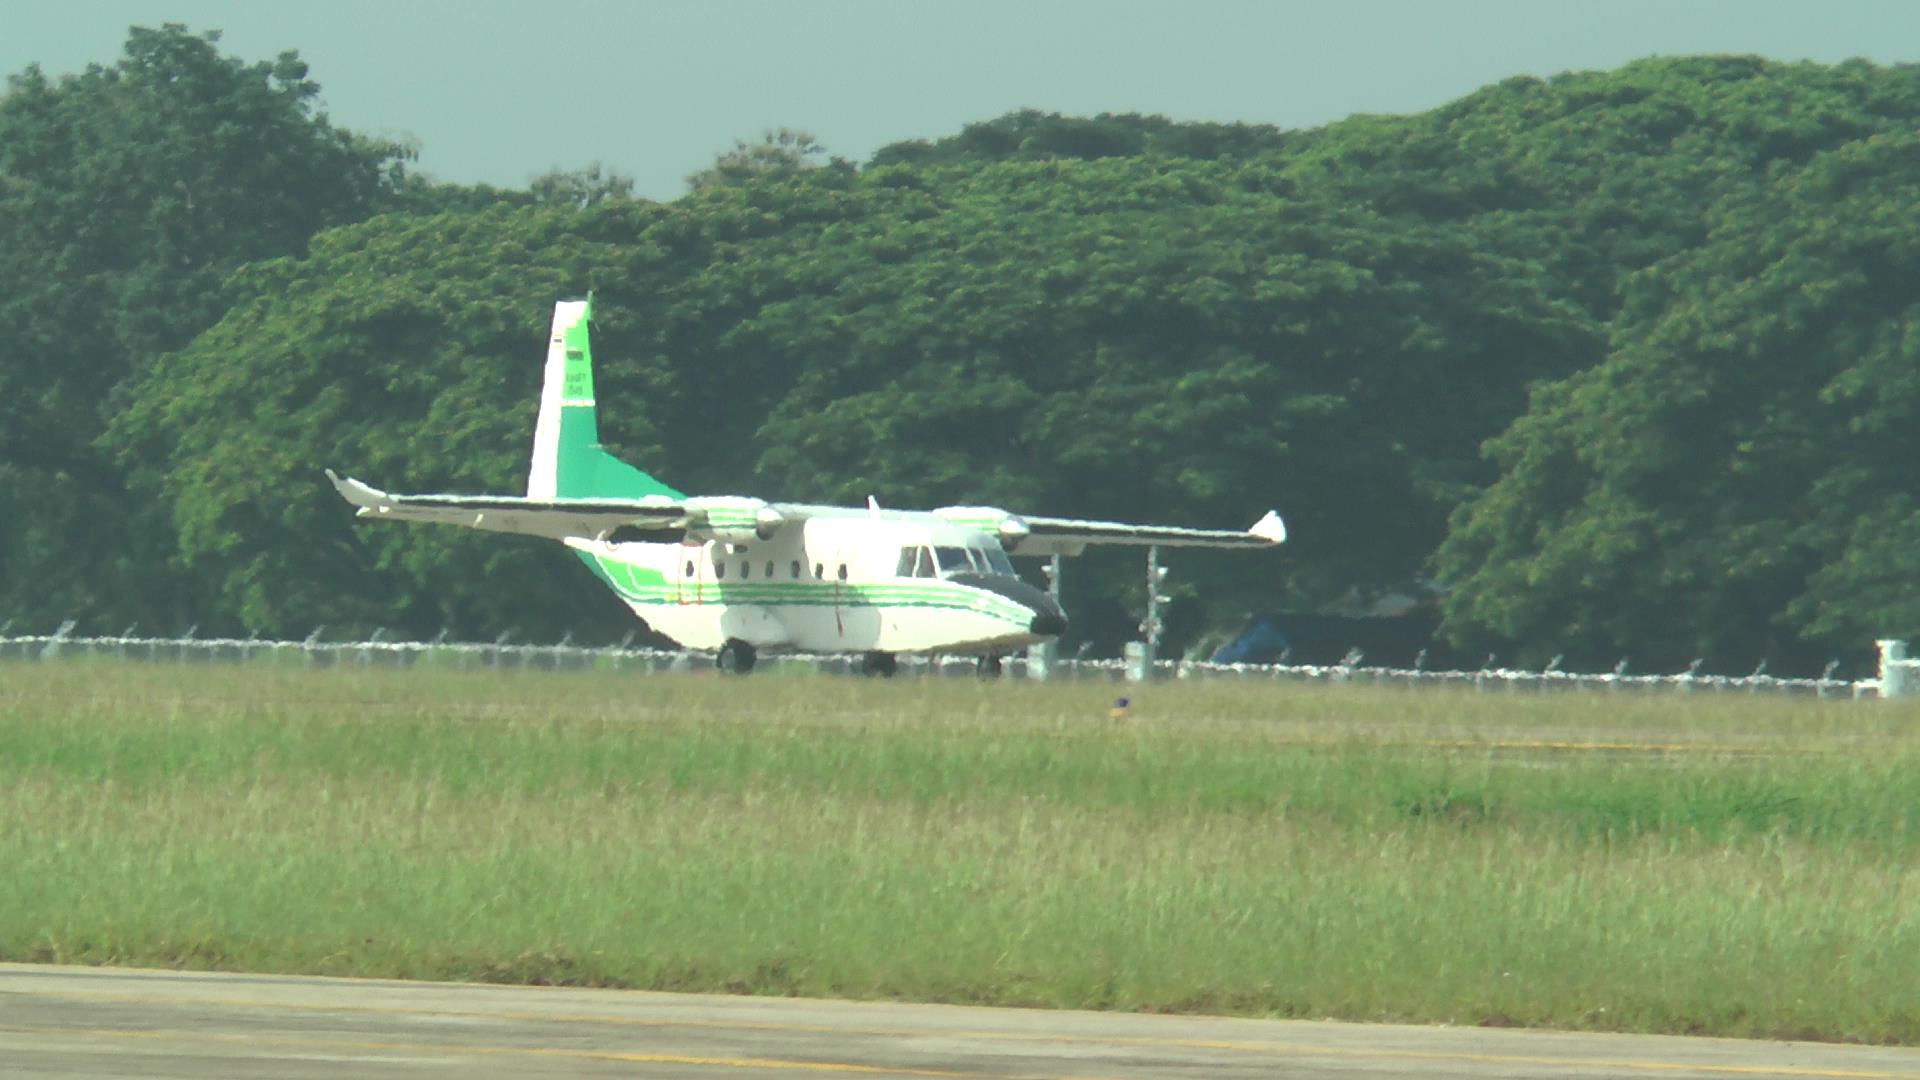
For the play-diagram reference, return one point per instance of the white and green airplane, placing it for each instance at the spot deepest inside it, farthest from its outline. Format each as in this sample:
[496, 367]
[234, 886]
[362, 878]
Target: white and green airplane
[737, 575]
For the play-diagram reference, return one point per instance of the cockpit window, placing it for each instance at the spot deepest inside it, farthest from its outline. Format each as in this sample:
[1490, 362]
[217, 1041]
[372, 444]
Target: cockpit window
[953, 560]
[997, 559]
[916, 562]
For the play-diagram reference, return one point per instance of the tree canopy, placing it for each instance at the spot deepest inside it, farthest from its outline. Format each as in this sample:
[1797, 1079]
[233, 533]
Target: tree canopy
[127, 195]
[1735, 480]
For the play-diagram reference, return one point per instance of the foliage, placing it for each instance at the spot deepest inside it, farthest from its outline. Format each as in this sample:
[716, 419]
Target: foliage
[1032, 135]
[780, 151]
[580, 188]
[127, 194]
[1736, 479]
[404, 349]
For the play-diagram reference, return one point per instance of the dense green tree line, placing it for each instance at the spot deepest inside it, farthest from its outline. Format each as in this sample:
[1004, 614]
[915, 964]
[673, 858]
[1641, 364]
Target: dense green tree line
[128, 193]
[1737, 478]
[1670, 301]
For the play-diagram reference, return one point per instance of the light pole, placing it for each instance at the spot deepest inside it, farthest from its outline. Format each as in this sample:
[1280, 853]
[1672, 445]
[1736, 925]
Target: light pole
[1142, 654]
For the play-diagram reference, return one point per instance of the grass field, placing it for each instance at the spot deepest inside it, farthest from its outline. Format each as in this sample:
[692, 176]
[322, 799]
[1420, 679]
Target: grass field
[1726, 865]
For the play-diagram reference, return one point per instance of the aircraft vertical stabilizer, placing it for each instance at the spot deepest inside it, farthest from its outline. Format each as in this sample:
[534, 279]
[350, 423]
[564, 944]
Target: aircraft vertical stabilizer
[568, 462]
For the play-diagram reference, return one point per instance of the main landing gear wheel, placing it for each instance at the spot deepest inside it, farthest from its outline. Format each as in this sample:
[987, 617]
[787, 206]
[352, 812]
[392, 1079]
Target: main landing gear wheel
[989, 666]
[879, 663]
[736, 657]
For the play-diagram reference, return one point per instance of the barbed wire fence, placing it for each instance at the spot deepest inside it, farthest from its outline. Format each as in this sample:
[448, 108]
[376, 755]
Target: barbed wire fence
[1897, 677]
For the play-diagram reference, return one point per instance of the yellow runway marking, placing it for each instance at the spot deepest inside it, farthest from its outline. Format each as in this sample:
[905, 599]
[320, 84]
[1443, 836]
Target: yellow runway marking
[1262, 1047]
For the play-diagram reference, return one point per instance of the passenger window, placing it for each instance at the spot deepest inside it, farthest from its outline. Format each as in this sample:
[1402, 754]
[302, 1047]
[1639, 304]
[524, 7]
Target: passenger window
[819, 571]
[843, 571]
[746, 569]
[796, 569]
[719, 570]
[689, 567]
[769, 568]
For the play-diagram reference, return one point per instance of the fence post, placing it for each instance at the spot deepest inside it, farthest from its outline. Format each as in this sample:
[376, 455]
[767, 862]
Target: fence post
[1826, 678]
[52, 648]
[1893, 669]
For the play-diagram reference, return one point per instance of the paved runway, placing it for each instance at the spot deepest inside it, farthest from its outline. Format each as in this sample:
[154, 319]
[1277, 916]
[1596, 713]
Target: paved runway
[100, 1022]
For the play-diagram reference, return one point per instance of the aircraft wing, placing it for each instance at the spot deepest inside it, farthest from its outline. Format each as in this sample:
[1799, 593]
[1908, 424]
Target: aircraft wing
[557, 519]
[1070, 536]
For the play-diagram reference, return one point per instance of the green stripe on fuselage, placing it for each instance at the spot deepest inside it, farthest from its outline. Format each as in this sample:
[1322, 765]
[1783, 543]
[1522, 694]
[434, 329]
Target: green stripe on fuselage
[643, 585]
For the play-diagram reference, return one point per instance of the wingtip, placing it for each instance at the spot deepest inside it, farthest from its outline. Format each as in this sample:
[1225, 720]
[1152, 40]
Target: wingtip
[359, 494]
[1270, 528]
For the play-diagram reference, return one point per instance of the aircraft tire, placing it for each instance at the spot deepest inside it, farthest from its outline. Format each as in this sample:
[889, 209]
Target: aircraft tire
[989, 666]
[736, 657]
[881, 664]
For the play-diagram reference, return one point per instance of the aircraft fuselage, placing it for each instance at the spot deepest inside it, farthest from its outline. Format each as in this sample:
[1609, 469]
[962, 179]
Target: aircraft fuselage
[889, 582]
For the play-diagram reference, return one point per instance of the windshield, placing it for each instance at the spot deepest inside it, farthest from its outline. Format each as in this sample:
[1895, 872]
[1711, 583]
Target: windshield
[915, 562]
[953, 560]
[998, 561]
[971, 560]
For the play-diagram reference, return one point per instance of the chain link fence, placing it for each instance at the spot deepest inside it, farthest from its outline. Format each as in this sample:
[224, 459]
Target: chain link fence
[565, 656]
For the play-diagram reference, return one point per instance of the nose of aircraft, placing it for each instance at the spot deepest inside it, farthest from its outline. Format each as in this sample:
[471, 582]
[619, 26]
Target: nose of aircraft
[1048, 619]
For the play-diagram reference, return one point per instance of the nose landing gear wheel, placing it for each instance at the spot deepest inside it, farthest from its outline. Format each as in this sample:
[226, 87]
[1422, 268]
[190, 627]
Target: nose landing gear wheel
[989, 666]
[878, 663]
[736, 657]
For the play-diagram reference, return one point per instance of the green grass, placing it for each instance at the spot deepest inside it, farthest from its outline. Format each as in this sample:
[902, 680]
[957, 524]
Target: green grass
[1269, 849]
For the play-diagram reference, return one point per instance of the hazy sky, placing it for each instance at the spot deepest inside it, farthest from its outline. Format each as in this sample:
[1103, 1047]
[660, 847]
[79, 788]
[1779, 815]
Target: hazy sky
[502, 90]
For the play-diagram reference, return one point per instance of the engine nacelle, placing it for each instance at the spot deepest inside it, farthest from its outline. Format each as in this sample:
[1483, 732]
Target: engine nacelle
[1009, 528]
[733, 519]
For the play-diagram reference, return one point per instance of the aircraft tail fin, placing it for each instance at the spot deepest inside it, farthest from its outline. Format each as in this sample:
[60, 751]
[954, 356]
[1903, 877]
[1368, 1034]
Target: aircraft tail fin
[568, 462]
